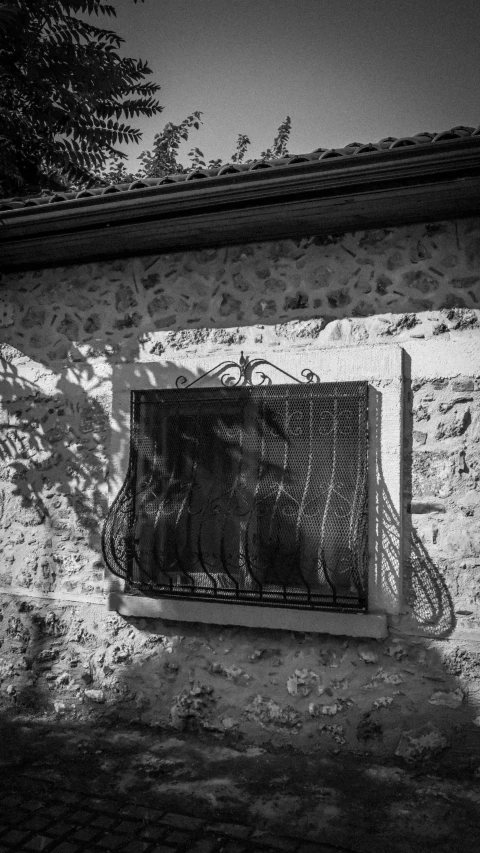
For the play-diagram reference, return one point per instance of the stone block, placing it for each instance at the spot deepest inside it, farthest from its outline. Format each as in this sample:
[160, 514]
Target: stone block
[419, 437]
[339, 298]
[69, 327]
[34, 317]
[164, 322]
[295, 302]
[37, 843]
[421, 280]
[230, 305]
[469, 502]
[418, 744]
[159, 304]
[472, 252]
[276, 842]
[432, 473]
[92, 324]
[163, 848]
[465, 282]
[460, 542]
[6, 314]
[233, 830]
[181, 821]
[452, 301]
[456, 401]
[455, 425]
[125, 299]
[465, 384]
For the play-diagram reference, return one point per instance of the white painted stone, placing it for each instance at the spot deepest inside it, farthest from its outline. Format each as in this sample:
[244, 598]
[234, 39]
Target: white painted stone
[320, 622]
[441, 359]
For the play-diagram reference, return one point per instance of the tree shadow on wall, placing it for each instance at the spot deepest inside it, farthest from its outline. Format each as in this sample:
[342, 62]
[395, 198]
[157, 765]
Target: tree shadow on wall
[53, 461]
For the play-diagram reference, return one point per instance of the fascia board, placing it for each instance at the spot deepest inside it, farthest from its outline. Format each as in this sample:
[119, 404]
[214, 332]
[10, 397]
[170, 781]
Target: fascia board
[279, 188]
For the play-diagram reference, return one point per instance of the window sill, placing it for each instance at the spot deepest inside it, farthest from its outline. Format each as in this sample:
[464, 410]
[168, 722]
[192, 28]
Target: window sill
[285, 619]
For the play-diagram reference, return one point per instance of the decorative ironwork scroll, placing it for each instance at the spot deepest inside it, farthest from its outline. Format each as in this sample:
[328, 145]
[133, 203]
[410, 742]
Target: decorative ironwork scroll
[248, 373]
[246, 492]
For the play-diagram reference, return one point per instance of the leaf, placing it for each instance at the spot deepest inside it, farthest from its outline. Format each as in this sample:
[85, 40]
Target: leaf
[61, 78]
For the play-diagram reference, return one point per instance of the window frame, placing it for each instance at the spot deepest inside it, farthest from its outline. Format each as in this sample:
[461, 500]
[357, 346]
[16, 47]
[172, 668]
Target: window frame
[381, 367]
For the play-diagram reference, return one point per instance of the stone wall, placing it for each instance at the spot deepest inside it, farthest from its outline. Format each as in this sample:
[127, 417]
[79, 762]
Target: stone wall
[79, 312]
[61, 330]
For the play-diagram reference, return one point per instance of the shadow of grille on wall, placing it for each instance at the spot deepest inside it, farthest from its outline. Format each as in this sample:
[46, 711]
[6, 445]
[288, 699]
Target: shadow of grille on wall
[253, 495]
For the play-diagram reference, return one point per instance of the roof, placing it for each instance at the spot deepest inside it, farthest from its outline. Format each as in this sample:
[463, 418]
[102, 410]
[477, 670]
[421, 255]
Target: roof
[319, 155]
[425, 177]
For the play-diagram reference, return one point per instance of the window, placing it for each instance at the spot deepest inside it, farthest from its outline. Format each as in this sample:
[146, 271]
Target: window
[247, 494]
[281, 498]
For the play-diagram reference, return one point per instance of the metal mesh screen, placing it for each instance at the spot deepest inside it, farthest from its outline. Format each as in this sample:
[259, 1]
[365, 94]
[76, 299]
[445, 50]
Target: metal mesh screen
[251, 494]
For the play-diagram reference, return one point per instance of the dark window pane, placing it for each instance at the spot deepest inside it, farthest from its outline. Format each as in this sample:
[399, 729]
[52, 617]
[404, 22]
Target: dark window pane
[249, 494]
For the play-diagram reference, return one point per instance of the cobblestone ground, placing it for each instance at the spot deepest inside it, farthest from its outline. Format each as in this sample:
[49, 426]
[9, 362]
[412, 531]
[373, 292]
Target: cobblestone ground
[38, 816]
[81, 788]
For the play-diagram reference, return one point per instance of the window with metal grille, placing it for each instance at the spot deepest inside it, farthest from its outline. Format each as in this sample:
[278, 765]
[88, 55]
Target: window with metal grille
[246, 494]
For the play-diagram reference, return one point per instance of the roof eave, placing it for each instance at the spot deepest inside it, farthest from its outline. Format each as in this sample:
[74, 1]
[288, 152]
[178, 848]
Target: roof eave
[388, 188]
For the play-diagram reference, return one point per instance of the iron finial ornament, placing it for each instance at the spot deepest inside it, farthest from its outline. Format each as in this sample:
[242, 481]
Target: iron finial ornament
[246, 373]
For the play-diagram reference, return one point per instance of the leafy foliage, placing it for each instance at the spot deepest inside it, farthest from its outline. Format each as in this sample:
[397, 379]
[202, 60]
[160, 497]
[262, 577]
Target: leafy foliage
[163, 158]
[66, 95]
[280, 143]
[242, 144]
[67, 98]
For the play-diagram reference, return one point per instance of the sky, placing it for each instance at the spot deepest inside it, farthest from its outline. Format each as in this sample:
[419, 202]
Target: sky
[343, 70]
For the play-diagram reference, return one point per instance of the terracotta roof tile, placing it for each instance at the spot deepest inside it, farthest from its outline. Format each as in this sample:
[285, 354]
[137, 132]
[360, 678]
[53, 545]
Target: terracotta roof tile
[318, 155]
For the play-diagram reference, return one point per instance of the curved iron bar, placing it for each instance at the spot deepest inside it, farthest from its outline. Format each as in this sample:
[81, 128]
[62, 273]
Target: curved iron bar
[231, 492]
[246, 370]
[182, 382]
[265, 380]
[217, 500]
[321, 549]
[305, 492]
[309, 375]
[359, 569]
[116, 563]
[183, 504]
[250, 514]
[159, 517]
[323, 565]
[359, 503]
[200, 553]
[223, 555]
[136, 496]
[279, 491]
[116, 552]
[143, 493]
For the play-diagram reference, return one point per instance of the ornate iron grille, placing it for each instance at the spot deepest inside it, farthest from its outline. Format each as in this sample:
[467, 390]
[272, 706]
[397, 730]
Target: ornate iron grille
[246, 494]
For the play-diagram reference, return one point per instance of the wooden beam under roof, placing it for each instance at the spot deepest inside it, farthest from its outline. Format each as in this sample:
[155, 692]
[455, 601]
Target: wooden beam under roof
[388, 188]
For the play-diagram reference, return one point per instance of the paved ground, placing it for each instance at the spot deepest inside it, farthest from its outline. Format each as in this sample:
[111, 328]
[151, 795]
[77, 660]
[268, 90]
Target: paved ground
[38, 816]
[70, 787]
